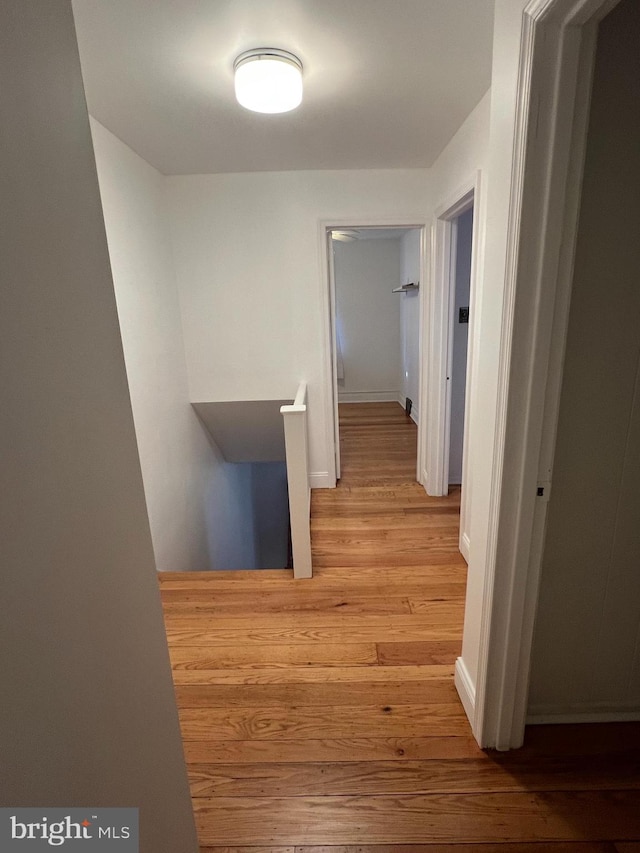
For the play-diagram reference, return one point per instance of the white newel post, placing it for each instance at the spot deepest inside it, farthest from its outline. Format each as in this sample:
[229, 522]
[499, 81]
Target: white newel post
[295, 437]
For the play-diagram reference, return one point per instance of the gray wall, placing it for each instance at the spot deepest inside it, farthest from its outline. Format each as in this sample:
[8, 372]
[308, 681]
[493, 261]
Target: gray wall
[586, 656]
[270, 513]
[88, 715]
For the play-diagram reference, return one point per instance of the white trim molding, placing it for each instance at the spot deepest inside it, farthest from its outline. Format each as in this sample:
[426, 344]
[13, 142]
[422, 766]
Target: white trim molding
[554, 85]
[368, 397]
[321, 480]
[465, 544]
[466, 690]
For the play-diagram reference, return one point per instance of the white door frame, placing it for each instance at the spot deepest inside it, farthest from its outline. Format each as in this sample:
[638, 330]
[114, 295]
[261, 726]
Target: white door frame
[440, 325]
[554, 89]
[327, 279]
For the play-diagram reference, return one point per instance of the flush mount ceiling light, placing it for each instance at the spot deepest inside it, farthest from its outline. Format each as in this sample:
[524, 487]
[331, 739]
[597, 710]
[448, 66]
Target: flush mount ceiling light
[268, 80]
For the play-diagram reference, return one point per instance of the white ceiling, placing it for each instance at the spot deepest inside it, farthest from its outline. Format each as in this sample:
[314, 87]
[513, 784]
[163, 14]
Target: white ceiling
[387, 82]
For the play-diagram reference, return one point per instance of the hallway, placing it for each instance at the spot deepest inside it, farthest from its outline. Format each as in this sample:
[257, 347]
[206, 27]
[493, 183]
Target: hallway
[317, 714]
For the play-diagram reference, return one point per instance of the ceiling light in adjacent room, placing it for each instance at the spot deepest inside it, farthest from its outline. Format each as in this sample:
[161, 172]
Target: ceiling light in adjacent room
[268, 80]
[345, 236]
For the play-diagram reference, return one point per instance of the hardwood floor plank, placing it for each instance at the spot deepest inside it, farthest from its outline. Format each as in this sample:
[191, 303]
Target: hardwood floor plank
[201, 580]
[410, 777]
[334, 694]
[344, 721]
[399, 523]
[407, 537]
[295, 601]
[445, 629]
[376, 554]
[247, 850]
[448, 612]
[530, 847]
[292, 592]
[486, 818]
[398, 575]
[316, 674]
[330, 750]
[326, 578]
[419, 653]
[547, 847]
[256, 656]
[423, 604]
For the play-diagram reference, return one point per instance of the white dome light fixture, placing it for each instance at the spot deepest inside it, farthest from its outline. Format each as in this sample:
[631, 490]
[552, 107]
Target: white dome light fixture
[268, 80]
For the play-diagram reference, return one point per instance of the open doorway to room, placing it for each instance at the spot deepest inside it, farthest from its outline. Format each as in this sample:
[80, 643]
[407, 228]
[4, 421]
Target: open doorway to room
[374, 326]
[458, 347]
[450, 351]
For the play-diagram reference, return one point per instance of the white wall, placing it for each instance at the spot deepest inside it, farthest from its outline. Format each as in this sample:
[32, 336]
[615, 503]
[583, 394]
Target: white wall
[88, 712]
[368, 318]
[410, 320]
[198, 505]
[484, 142]
[247, 255]
[467, 152]
[457, 167]
[464, 234]
[586, 654]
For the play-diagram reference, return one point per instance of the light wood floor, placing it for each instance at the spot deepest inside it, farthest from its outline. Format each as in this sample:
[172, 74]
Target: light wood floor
[320, 716]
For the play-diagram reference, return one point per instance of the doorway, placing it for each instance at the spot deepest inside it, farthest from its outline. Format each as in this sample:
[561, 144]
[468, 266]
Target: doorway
[450, 350]
[585, 656]
[458, 347]
[395, 374]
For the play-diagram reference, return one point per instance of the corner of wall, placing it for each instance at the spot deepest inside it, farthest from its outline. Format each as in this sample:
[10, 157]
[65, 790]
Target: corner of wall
[466, 690]
[465, 545]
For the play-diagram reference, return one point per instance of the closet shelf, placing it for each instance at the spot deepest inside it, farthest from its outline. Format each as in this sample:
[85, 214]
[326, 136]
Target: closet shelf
[405, 288]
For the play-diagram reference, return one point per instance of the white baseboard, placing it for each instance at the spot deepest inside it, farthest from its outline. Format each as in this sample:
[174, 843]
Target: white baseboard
[368, 397]
[466, 690]
[586, 716]
[464, 546]
[321, 480]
